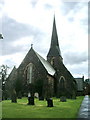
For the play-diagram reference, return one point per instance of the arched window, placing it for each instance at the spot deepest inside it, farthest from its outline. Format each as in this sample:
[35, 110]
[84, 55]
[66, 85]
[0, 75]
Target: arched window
[52, 61]
[29, 72]
[62, 82]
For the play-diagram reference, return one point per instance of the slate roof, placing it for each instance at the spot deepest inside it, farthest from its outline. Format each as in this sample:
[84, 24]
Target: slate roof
[46, 64]
[79, 83]
[12, 74]
[11, 79]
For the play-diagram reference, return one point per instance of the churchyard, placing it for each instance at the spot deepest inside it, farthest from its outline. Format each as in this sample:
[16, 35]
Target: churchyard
[68, 109]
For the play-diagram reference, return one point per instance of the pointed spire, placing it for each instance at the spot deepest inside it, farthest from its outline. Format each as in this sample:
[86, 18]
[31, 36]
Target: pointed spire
[54, 38]
[54, 48]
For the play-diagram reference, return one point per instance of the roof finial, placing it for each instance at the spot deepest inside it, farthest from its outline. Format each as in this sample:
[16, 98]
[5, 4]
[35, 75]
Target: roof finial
[31, 45]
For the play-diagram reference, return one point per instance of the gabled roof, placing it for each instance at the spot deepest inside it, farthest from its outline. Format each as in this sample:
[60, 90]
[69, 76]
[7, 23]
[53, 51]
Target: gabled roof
[29, 58]
[46, 64]
[80, 83]
[12, 74]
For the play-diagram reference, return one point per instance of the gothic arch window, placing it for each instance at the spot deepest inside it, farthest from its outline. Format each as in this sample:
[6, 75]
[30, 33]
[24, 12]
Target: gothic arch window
[52, 61]
[29, 72]
[62, 82]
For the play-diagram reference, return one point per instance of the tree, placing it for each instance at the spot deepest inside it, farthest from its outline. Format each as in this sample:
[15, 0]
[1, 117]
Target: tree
[18, 87]
[3, 74]
[11, 85]
[39, 88]
[13, 96]
[3, 77]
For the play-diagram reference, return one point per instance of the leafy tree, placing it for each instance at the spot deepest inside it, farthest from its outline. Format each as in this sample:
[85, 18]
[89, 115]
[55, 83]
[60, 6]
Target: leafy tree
[3, 74]
[3, 77]
[39, 87]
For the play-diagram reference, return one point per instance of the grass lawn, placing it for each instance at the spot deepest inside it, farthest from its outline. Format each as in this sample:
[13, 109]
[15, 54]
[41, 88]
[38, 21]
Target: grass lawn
[67, 109]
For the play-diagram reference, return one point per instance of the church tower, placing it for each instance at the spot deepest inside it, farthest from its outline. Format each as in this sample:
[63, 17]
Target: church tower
[54, 53]
[64, 82]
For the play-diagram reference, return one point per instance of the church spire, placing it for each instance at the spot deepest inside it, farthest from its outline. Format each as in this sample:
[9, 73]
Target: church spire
[54, 50]
[54, 38]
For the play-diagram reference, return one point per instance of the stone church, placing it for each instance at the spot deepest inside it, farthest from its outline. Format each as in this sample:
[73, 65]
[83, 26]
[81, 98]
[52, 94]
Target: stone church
[48, 77]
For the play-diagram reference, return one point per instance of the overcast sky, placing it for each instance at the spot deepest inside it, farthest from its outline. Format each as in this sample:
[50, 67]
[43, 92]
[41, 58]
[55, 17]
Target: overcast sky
[26, 22]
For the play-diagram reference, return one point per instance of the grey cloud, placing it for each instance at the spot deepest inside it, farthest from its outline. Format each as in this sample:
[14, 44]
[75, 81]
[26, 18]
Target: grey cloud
[1, 4]
[80, 70]
[34, 2]
[71, 19]
[13, 30]
[68, 6]
[84, 21]
[1, 7]
[9, 62]
[75, 58]
[48, 6]
[9, 49]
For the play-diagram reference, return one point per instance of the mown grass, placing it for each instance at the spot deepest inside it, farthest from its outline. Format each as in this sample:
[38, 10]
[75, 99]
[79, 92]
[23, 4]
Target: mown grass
[0, 110]
[67, 109]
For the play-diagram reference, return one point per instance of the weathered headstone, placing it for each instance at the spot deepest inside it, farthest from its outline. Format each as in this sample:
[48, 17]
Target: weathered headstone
[49, 102]
[63, 99]
[30, 99]
[36, 95]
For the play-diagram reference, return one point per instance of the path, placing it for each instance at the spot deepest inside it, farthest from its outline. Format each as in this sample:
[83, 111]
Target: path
[84, 111]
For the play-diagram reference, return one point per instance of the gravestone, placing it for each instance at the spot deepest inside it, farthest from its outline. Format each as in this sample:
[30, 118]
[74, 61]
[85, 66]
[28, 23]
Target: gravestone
[63, 99]
[49, 102]
[30, 99]
[36, 95]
